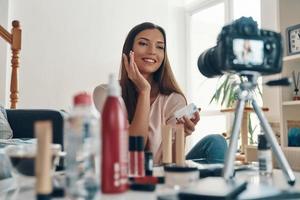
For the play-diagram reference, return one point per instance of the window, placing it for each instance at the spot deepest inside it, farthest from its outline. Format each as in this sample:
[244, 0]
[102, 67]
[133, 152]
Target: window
[247, 8]
[205, 25]
[204, 21]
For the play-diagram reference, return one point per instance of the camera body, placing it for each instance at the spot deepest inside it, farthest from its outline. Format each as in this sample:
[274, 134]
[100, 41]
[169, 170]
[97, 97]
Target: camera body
[241, 46]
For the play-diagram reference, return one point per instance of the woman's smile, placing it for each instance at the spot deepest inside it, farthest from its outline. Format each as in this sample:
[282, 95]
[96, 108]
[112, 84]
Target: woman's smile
[149, 50]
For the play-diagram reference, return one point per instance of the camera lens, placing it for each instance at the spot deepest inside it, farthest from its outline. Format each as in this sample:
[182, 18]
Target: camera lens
[207, 63]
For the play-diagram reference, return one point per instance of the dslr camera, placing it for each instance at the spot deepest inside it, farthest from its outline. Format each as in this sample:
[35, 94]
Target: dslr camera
[242, 46]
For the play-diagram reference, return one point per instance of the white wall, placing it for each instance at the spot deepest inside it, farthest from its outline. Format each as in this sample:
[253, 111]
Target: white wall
[176, 37]
[72, 45]
[270, 21]
[4, 7]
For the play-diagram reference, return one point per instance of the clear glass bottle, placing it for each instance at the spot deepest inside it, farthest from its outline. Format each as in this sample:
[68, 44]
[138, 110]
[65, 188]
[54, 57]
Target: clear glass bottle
[264, 154]
[81, 141]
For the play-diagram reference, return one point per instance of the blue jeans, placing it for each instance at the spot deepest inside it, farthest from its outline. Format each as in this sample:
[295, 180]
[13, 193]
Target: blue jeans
[210, 149]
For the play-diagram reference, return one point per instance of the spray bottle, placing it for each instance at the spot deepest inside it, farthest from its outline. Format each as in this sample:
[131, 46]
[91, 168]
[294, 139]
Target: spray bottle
[114, 141]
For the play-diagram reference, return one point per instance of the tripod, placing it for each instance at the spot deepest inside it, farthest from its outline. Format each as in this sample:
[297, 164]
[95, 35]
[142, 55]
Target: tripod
[245, 94]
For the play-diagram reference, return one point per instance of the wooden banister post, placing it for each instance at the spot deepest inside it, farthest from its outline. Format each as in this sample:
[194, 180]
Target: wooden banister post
[14, 39]
[15, 48]
[5, 34]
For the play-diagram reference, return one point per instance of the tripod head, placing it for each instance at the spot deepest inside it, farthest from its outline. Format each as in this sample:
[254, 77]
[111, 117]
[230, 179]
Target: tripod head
[250, 82]
[252, 77]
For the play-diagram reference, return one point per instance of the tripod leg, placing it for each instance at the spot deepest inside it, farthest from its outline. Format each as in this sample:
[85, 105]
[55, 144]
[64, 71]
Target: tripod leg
[230, 155]
[275, 146]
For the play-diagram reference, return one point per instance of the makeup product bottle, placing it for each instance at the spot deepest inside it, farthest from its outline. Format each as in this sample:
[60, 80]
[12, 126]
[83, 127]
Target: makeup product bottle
[132, 156]
[180, 177]
[179, 145]
[166, 144]
[264, 156]
[140, 157]
[148, 163]
[114, 141]
[136, 156]
[43, 133]
[81, 142]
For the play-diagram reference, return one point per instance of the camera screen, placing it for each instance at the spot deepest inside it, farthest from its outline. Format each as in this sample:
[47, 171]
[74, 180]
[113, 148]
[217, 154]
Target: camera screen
[248, 52]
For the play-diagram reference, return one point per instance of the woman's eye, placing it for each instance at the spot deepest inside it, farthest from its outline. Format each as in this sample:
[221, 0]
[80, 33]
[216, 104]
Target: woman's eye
[142, 43]
[161, 47]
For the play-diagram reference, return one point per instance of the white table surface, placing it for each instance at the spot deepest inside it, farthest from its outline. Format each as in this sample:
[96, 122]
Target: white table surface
[256, 184]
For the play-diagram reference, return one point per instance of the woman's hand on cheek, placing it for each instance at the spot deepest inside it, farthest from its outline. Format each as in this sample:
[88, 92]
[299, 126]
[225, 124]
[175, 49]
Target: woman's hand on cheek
[134, 74]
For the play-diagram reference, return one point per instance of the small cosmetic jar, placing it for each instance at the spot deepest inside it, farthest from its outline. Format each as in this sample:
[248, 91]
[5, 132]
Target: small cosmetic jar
[180, 177]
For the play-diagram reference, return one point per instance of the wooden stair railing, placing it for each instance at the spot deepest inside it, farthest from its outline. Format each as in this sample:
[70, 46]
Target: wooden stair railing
[14, 39]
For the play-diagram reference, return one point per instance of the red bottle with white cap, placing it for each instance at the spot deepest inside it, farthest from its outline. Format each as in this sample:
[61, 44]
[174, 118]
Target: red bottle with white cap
[114, 141]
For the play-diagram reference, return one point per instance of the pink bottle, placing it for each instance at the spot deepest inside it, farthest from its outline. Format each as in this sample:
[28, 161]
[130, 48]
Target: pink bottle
[114, 141]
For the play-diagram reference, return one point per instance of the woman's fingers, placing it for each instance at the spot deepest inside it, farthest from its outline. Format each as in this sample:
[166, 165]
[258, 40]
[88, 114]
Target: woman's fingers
[188, 124]
[188, 132]
[133, 64]
[127, 67]
[134, 73]
[131, 55]
[130, 66]
[179, 121]
[125, 61]
[196, 118]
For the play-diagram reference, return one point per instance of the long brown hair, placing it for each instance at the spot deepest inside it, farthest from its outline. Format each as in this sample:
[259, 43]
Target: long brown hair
[163, 76]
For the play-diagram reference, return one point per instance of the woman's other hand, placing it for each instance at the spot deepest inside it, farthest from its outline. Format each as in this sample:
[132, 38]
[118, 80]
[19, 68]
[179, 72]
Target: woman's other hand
[134, 74]
[189, 124]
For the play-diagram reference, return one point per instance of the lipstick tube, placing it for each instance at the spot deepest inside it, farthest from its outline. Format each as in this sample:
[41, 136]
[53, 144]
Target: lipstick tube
[140, 157]
[136, 156]
[132, 156]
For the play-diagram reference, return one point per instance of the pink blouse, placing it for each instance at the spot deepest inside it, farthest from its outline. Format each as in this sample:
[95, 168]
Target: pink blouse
[161, 112]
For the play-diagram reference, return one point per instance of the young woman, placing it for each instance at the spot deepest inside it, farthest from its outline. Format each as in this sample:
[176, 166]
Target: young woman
[152, 95]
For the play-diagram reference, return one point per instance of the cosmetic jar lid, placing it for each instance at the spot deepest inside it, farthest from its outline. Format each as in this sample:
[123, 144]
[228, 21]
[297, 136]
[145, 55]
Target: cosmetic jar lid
[82, 98]
[180, 169]
[136, 143]
[132, 143]
[148, 155]
[139, 143]
[263, 143]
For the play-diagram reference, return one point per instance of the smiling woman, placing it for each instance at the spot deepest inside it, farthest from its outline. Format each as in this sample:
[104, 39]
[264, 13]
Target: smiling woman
[148, 51]
[152, 95]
